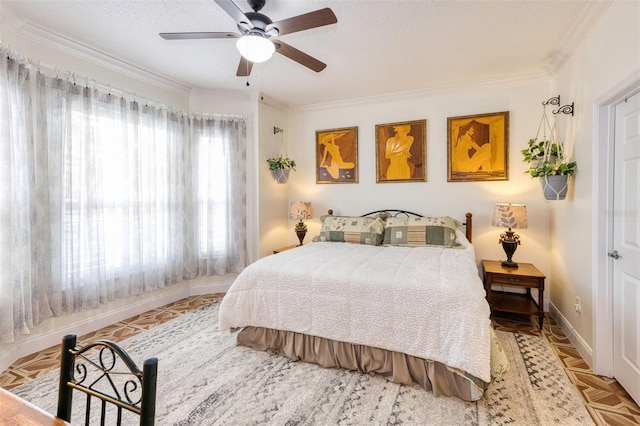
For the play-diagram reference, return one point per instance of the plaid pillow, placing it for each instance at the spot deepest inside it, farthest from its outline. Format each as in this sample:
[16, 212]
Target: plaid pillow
[421, 231]
[358, 230]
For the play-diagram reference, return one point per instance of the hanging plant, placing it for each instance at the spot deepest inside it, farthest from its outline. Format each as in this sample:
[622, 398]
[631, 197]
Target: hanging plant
[547, 161]
[281, 162]
[280, 167]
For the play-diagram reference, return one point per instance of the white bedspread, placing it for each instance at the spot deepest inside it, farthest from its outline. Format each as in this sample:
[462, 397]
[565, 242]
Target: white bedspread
[426, 302]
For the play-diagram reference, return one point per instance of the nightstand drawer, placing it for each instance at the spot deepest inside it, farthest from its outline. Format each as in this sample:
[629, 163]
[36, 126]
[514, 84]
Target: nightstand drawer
[516, 281]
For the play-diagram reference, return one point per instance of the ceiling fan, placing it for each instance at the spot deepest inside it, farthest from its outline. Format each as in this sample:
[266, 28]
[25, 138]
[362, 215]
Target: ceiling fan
[257, 34]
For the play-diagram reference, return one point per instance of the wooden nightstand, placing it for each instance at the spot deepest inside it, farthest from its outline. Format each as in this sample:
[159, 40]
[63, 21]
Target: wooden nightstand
[524, 276]
[276, 251]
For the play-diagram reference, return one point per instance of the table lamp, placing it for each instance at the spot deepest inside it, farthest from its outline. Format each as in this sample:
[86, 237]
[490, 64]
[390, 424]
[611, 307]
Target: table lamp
[510, 216]
[300, 210]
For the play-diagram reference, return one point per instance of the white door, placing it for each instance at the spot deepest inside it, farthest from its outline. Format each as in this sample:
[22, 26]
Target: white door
[625, 253]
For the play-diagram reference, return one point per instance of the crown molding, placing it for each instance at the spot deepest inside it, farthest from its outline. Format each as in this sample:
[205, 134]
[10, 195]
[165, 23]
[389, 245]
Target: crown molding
[78, 50]
[426, 92]
[578, 31]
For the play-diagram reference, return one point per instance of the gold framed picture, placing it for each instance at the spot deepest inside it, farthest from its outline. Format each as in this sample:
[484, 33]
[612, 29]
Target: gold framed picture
[337, 155]
[401, 151]
[478, 147]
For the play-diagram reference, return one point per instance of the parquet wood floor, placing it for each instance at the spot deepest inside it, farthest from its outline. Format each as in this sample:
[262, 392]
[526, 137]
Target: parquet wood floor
[606, 401]
[604, 398]
[35, 365]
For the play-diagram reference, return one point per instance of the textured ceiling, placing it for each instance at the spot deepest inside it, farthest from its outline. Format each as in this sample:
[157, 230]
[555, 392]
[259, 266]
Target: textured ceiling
[377, 47]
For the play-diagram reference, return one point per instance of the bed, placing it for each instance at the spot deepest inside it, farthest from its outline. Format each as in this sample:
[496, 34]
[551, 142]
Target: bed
[390, 293]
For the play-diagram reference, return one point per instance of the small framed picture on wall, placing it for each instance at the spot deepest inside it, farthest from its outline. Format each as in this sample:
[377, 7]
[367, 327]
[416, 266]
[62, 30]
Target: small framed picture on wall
[401, 152]
[477, 147]
[337, 155]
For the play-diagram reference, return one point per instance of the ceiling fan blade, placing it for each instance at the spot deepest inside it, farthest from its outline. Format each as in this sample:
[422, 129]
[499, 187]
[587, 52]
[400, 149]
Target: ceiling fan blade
[299, 56]
[305, 21]
[235, 12]
[197, 35]
[244, 67]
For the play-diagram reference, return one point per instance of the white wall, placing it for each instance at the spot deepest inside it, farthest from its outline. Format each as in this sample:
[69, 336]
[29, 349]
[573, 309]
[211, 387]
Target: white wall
[609, 55]
[522, 98]
[273, 197]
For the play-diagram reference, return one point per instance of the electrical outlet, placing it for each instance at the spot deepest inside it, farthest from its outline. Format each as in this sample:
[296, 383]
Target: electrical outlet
[578, 305]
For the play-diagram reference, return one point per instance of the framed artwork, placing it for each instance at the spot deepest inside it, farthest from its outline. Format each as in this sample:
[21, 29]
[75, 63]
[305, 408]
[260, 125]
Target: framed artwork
[478, 147]
[401, 151]
[337, 155]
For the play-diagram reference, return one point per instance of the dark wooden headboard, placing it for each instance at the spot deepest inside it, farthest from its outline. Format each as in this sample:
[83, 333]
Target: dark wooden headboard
[468, 223]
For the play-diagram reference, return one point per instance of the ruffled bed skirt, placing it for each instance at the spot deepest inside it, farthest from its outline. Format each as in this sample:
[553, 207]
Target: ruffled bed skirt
[393, 366]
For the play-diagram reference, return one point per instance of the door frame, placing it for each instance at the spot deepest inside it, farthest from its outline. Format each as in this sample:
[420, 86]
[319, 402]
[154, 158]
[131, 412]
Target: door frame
[602, 215]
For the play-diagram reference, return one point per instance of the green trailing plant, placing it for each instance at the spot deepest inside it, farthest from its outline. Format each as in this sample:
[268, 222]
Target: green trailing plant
[549, 168]
[281, 162]
[546, 158]
[535, 150]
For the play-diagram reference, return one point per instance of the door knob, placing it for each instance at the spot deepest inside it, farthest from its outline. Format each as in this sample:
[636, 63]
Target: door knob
[614, 254]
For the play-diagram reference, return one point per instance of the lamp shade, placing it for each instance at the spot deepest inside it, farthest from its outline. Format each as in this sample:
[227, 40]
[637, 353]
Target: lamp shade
[255, 48]
[510, 216]
[300, 210]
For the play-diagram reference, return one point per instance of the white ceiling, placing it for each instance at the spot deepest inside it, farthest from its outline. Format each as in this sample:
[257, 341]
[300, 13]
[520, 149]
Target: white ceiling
[377, 46]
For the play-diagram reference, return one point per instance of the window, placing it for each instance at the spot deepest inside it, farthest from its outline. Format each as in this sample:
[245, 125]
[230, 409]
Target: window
[107, 198]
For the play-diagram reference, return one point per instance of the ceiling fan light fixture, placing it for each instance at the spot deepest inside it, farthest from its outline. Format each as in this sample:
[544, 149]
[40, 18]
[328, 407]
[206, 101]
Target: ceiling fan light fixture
[255, 47]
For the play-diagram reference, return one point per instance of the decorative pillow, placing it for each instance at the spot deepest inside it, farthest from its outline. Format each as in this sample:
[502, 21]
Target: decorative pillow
[421, 231]
[358, 230]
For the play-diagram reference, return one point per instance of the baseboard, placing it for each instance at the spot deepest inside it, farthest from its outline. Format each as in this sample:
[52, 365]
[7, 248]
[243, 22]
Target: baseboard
[585, 351]
[50, 332]
[211, 288]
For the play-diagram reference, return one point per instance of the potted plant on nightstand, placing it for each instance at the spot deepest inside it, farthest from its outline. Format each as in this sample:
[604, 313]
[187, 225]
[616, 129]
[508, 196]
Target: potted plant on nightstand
[280, 167]
[547, 161]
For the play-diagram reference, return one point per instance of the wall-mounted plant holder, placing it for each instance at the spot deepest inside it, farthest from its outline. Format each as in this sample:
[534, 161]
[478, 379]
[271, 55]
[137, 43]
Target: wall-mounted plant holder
[565, 109]
[546, 157]
[281, 165]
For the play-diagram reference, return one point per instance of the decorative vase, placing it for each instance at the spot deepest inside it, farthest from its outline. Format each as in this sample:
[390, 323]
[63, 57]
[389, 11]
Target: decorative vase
[555, 187]
[280, 175]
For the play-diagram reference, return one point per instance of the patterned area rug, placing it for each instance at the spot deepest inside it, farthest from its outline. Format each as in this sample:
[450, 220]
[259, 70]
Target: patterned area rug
[205, 379]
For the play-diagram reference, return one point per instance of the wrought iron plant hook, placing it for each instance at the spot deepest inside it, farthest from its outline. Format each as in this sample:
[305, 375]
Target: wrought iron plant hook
[565, 109]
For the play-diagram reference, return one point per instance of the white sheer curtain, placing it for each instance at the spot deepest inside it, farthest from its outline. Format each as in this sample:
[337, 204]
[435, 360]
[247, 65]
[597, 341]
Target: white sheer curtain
[109, 198]
[16, 196]
[219, 169]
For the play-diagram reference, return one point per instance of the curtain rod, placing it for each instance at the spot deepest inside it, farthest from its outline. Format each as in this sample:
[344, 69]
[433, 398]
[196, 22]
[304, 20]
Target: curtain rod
[70, 76]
